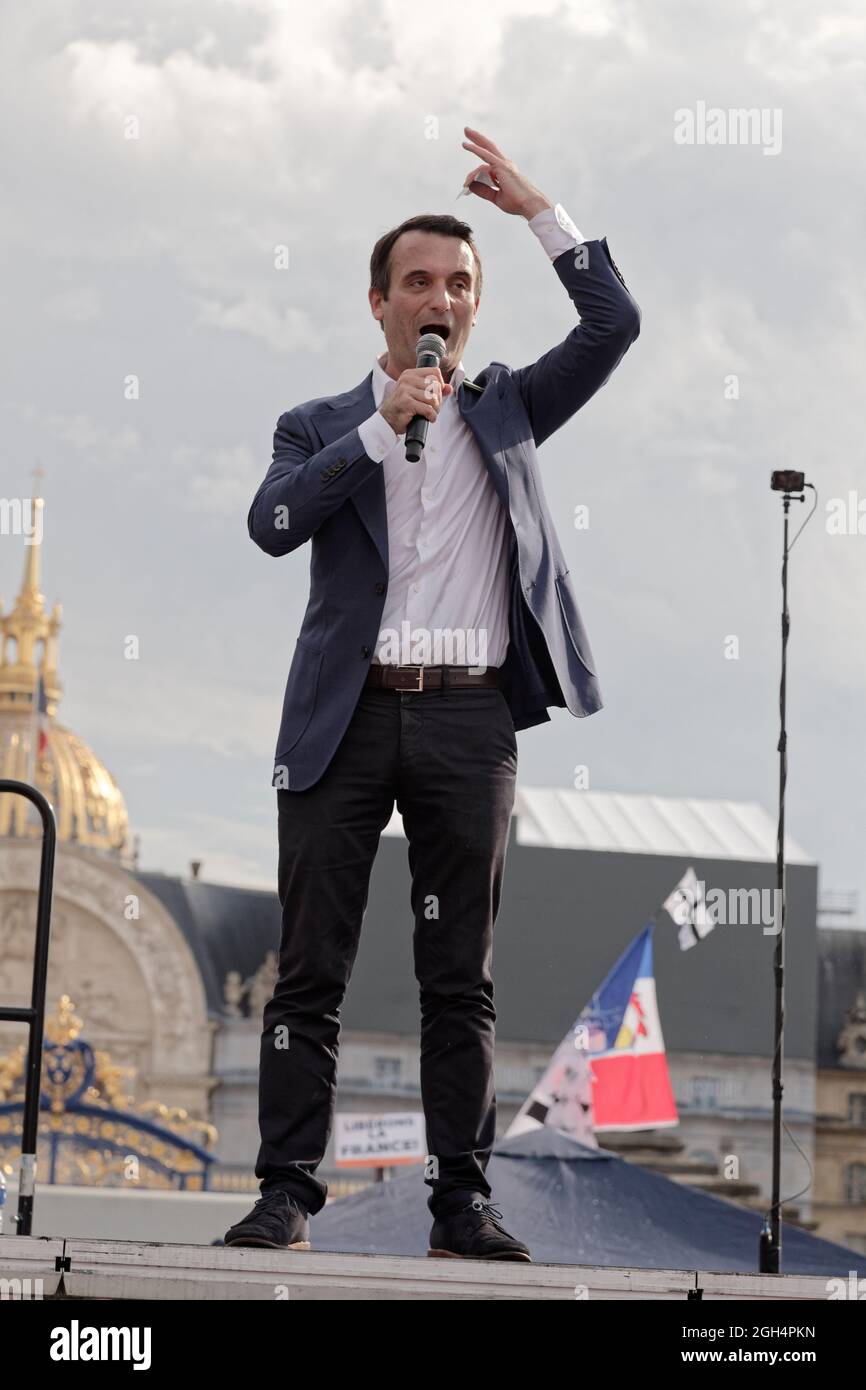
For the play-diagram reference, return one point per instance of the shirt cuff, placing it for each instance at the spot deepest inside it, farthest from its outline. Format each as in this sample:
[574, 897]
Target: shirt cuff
[555, 230]
[377, 436]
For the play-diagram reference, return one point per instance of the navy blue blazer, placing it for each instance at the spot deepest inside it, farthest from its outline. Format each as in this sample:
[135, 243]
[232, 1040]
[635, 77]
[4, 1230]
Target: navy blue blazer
[323, 487]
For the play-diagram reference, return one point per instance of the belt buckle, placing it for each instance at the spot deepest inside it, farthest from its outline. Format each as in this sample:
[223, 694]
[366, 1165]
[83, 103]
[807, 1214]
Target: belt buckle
[420, 685]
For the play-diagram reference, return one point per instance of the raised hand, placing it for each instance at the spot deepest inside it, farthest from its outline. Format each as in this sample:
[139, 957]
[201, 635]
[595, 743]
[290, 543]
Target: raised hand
[513, 192]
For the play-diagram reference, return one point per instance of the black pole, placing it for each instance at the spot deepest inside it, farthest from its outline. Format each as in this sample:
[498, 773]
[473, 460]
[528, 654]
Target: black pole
[771, 1237]
[789, 483]
[34, 1016]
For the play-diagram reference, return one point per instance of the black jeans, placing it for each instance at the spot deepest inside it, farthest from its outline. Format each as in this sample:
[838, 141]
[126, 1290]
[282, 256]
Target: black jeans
[449, 758]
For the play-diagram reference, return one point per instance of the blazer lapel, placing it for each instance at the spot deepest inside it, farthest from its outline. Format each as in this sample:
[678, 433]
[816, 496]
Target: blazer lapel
[479, 406]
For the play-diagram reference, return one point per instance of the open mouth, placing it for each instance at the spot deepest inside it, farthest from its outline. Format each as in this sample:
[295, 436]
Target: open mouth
[439, 328]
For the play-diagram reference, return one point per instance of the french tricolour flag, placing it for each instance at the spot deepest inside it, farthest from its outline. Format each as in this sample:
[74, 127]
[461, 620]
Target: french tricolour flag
[631, 1086]
[610, 1070]
[41, 718]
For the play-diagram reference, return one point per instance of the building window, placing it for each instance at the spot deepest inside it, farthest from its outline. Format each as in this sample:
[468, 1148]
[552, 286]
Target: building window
[857, 1107]
[706, 1092]
[388, 1070]
[855, 1184]
[704, 1156]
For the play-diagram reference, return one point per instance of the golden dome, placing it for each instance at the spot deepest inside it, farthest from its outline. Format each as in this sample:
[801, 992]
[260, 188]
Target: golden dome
[34, 748]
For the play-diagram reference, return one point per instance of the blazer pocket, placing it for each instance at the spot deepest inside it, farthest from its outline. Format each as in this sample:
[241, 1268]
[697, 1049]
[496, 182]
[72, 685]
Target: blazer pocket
[574, 624]
[300, 698]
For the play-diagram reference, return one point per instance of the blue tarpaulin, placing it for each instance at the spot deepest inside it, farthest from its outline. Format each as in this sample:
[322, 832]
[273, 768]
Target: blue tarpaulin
[577, 1205]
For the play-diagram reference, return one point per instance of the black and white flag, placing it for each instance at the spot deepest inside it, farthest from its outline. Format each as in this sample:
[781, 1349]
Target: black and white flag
[687, 905]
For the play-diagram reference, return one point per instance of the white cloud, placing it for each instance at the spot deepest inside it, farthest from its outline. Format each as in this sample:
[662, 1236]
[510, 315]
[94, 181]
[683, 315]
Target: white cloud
[159, 708]
[83, 432]
[81, 304]
[214, 844]
[289, 331]
[219, 481]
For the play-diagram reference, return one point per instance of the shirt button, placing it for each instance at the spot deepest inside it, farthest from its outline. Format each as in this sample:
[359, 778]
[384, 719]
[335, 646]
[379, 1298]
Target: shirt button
[416, 587]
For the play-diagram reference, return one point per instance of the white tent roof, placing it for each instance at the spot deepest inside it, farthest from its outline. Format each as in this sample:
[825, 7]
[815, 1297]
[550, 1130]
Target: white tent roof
[559, 818]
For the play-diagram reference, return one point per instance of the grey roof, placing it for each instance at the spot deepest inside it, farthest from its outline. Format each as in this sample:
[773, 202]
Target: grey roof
[560, 818]
[226, 928]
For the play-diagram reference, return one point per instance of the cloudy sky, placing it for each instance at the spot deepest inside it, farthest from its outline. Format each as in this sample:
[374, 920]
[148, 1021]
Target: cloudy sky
[262, 124]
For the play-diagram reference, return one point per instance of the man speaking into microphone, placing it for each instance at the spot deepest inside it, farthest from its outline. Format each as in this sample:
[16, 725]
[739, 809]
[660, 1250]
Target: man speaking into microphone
[441, 619]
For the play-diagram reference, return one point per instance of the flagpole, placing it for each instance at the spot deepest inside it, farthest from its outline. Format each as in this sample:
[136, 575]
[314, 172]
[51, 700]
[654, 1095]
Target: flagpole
[38, 473]
[34, 730]
[790, 484]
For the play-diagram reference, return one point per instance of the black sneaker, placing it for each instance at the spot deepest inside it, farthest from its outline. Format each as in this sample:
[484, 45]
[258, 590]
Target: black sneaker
[471, 1233]
[277, 1220]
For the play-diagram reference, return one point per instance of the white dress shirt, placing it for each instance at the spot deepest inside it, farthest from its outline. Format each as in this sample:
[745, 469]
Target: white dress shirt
[446, 525]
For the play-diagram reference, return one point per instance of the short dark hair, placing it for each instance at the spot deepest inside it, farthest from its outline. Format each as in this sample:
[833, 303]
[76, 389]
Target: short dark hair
[442, 223]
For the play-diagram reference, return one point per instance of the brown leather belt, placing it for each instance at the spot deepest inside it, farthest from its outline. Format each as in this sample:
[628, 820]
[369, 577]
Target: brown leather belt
[385, 677]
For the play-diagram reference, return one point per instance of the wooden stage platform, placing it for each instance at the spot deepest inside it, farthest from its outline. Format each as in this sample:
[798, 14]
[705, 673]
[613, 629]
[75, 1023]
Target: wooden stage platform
[57, 1267]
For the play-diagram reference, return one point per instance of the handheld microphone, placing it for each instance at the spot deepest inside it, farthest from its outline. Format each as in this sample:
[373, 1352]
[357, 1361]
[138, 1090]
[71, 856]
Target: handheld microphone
[429, 353]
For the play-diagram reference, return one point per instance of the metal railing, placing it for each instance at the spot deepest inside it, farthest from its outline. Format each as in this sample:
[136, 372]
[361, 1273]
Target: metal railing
[34, 1015]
